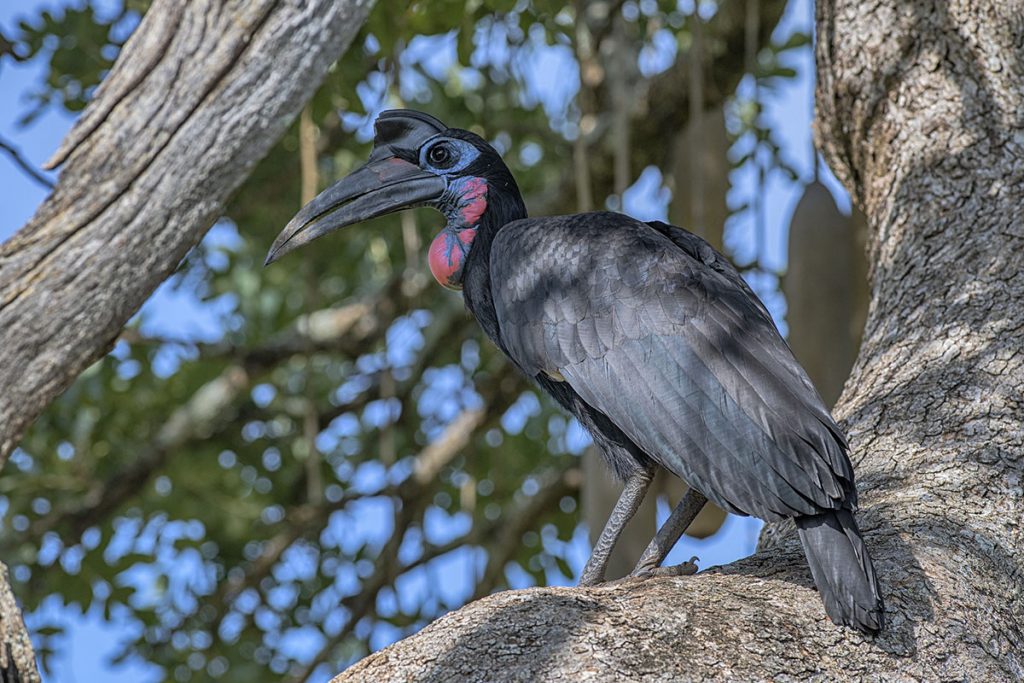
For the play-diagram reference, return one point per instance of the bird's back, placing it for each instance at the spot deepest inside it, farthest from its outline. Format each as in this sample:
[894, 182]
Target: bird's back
[653, 328]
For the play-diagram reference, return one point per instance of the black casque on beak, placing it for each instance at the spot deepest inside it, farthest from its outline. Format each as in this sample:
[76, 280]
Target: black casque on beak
[385, 184]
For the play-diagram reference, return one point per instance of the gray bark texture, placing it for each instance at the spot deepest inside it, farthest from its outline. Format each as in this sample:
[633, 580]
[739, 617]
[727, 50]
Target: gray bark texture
[920, 110]
[199, 94]
[17, 659]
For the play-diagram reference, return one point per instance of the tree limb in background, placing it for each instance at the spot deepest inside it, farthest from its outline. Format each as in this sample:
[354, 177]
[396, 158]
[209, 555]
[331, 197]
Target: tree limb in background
[24, 164]
[500, 538]
[198, 95]
[413, 495]
[215, 406]
[661, 103]
[554, 485]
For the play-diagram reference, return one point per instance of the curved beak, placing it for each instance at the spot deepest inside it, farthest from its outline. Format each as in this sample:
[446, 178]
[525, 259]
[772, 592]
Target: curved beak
[375, 189]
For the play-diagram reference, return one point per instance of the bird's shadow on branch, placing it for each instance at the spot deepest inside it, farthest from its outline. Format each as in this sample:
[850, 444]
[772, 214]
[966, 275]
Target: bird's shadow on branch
[496, 644]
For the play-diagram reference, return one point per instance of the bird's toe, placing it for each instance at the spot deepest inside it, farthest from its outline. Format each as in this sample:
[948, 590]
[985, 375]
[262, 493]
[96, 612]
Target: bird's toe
[687, 568]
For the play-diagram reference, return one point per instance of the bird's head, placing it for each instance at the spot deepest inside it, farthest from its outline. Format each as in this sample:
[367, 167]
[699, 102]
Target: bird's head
[416, 161]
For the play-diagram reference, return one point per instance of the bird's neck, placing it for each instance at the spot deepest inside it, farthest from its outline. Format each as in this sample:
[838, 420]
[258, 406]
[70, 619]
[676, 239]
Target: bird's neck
[502, 209]
[476, 209]
[460, 255]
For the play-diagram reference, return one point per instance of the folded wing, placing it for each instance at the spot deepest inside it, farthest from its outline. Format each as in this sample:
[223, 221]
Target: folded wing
[654, 329]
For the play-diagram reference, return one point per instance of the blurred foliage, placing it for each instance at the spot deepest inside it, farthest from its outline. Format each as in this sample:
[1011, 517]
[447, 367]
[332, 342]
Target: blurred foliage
[247, 498]
[79, 44]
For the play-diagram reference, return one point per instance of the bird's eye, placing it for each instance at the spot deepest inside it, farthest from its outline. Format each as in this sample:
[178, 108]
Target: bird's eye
[440, 156]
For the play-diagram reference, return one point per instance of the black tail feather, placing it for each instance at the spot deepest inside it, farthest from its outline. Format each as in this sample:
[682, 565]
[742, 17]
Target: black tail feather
[842, 569]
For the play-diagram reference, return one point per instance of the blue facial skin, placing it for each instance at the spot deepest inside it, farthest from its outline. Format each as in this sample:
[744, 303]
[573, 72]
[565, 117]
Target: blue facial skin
[460, 154]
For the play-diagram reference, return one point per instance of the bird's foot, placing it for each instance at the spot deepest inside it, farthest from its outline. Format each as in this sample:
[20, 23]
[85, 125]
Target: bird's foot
[687, 568]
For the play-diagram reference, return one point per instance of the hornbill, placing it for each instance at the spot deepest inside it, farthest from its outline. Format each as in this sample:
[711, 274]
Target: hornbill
[642, 331]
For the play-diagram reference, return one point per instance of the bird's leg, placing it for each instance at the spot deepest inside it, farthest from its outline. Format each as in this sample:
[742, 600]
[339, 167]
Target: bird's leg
[627, 505]
[682, 516]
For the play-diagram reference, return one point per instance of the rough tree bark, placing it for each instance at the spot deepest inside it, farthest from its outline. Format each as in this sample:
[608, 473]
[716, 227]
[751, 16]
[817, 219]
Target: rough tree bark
[199, 94]
[17, 659]
[921, 114]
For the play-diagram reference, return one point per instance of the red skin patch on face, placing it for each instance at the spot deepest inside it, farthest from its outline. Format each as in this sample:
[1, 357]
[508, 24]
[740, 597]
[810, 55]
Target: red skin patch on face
[448, 251]
[473, 199]
[447, 256]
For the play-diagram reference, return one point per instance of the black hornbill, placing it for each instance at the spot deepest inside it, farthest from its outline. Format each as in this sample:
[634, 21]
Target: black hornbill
[642, 331]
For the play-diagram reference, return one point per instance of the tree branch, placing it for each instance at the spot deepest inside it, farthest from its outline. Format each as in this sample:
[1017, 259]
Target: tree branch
[216, 404]
[199, 93]
[24, 164]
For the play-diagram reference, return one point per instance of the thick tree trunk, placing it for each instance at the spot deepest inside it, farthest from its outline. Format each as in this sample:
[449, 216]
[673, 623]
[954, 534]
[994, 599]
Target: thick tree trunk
[920, 113]
[198, 95]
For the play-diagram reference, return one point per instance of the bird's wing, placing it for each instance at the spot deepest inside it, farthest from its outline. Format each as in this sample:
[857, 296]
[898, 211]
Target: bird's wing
[700, 250]
[677, 352]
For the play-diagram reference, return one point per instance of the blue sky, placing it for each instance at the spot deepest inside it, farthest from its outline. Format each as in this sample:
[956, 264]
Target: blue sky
[788, 108]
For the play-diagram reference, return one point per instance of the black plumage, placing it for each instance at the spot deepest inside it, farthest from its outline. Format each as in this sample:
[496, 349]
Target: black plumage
[652, 328]
[650, 338]
[675, 354]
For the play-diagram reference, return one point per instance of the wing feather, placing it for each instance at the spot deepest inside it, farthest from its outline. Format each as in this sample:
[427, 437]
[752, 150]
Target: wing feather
[655, 330]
